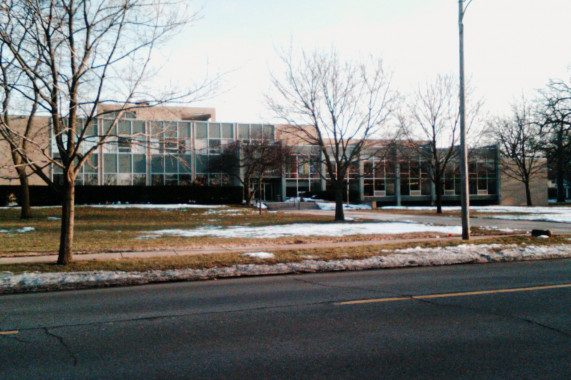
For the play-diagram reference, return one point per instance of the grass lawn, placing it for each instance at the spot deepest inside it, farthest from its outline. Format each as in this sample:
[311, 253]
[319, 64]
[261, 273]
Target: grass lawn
[107, 229]
[99, 229]
[227, 259]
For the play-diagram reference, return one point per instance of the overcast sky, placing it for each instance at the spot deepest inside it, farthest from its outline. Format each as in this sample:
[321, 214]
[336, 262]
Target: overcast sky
[512, 46]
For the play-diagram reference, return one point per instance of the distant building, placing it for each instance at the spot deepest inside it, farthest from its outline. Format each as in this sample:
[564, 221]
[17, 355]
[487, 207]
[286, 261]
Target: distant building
[160, 148]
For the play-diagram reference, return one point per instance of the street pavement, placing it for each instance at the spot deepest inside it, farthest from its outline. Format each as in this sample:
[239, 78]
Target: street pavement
[508, 320]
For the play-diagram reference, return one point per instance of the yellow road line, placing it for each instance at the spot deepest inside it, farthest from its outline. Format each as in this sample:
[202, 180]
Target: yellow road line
[11, 332]
[459, 294]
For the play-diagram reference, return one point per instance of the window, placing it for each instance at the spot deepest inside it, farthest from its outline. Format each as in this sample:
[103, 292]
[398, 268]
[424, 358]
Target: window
[124, 144]
[124, 127]
[214, 131]
[256, 131]
[110, 163]
[139, 163]
[243, 132]
[227, 131]
[201, 131]
[124, 163]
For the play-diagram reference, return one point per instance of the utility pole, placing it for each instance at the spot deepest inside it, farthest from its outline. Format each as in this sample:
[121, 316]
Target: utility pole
[465, 193]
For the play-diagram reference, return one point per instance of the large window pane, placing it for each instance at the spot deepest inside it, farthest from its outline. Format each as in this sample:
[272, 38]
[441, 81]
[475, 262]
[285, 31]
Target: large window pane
[110, 179]
[214, 131]
[185, 180]
[124, 163]
[157, 180]
[110, 163]
[90, 179]
[243, 132]
[90, 165]
[183, 130]
[124, 179]
[201, 164]
[200, 130]
[138, 127]
[124, 127]
[171, 180]
[269, 132]
[186, 164]
[171, 164]
[227, 131]
[139, 179]
[256, 131]
[157, 164]
[139, 163]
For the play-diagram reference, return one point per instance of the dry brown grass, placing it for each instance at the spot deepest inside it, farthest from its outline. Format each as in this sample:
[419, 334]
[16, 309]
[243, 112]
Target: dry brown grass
[105, 229]
[294, 255]
[112, 230]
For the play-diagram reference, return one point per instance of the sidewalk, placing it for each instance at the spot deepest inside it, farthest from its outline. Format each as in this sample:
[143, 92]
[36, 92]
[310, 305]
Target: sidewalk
[214, 250]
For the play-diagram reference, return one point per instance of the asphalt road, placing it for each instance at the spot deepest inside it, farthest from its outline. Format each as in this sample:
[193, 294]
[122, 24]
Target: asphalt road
[413, 324]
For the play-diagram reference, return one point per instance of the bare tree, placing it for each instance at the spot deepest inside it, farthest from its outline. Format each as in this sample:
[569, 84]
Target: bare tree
[434, 120]
[556, 118]
[334, 105]
[252, 162]
[431, 127]
[77, 55]
[519, 137]
[16, 132]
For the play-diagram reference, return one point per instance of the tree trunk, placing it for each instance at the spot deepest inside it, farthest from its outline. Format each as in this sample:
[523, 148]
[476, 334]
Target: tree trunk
[438, 184]
[248, 194]
[339, 201]
[67, 222]
[560, 173]
[260, 196]
[24, 198]
[528, 194]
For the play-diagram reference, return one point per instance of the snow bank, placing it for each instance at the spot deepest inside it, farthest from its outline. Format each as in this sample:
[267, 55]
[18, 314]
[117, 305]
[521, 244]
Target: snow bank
[539, 214]
[10, 283]
[330, 206]
[304, 229]
[230, 211]
[17, 230]
[260, 255]
[154, 206]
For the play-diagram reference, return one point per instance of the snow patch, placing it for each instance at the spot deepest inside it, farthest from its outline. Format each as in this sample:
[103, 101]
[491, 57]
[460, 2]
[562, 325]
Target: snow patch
[538, 214]
[230, 211]
[304, 229]
[330, 206]
[260, 255]
[159, 207]
[18, 230]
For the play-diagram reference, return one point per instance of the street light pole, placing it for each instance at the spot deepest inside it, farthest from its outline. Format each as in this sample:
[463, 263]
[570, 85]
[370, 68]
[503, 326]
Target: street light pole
[465, 194]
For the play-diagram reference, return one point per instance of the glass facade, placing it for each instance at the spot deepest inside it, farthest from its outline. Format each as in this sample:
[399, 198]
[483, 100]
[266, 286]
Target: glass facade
[303, 171]
[171, 153]
[158, 153]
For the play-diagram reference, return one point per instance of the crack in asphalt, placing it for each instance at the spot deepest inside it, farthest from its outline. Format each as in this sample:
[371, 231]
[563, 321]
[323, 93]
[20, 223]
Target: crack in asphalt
[496, 314]
[171, 316]
[15, 337]
[63, 343]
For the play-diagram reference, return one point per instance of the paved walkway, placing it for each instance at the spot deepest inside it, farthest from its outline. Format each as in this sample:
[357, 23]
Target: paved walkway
[213, 250]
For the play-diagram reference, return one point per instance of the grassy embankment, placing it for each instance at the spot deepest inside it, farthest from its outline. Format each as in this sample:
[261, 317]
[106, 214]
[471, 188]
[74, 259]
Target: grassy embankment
[105, 229]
